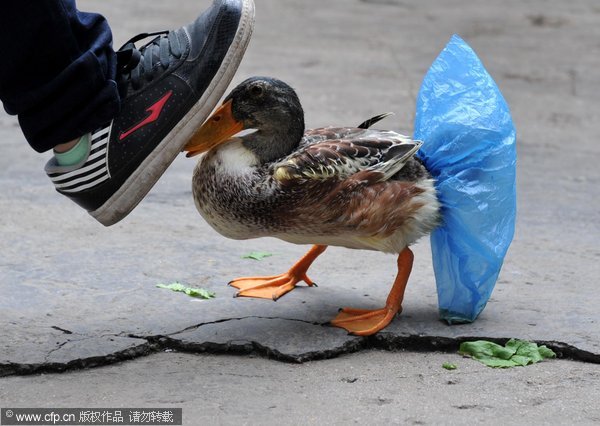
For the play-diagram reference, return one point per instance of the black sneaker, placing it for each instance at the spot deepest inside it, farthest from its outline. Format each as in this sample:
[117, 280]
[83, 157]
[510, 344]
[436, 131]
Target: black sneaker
[168, 88]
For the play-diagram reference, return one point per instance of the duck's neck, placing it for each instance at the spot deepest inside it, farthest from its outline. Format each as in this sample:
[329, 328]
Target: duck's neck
[232, 158]
[273, 142]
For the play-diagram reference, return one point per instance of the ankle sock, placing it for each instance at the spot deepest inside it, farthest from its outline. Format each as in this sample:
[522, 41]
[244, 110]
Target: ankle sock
[76, 154]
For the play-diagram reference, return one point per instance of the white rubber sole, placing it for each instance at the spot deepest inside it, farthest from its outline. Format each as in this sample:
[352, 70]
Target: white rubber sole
[135, 188]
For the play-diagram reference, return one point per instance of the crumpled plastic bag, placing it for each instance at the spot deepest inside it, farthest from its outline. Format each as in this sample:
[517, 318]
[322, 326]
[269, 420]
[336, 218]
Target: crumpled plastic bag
[469, 147]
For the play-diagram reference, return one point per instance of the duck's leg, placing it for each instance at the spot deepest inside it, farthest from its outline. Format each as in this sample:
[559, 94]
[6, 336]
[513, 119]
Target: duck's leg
[364, 322]
[275, 286]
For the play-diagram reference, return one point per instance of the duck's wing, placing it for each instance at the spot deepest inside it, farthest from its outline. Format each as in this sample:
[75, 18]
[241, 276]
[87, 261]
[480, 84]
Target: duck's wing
[337, 153]
[312, 136]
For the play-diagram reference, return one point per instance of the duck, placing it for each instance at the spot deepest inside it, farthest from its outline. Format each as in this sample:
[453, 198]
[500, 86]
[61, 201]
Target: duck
[264, 175]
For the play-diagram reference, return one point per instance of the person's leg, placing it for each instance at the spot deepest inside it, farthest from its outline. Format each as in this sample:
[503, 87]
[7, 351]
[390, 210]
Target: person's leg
[167, 88]
[58, 70]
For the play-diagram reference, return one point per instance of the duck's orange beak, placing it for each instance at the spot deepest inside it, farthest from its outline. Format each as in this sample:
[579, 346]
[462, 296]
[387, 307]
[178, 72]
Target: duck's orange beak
[219, 127]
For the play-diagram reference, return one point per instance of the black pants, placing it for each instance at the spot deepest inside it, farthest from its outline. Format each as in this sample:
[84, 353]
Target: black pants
[57, 71]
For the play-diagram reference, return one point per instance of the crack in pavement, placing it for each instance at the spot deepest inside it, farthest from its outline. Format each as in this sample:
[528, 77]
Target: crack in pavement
[193, 327]
[64, 330]
[60, 345]
[168, 342]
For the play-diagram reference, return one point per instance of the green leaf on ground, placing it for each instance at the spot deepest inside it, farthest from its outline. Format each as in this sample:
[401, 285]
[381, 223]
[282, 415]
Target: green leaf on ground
[257, 255]
[449, 366]
[514, 353]
[190, 291]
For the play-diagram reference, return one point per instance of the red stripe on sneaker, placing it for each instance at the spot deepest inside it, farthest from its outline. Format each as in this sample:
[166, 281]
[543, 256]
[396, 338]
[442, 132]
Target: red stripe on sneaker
[154, 111]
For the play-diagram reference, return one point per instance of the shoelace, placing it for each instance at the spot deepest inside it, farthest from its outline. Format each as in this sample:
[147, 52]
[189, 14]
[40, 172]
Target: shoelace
[135, 64]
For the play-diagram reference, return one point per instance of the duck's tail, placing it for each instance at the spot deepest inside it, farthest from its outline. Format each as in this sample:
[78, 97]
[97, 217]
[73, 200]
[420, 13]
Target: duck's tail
[368, 123]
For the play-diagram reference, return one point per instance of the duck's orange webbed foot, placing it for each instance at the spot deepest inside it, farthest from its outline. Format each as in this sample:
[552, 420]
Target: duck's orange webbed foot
[273, 287]
[364, 322]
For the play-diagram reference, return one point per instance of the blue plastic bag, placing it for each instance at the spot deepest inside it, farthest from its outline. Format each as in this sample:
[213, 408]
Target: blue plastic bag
[469, 147]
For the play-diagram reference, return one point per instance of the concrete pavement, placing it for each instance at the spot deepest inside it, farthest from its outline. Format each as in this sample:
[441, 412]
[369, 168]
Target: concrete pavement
[76, 294]
[370, 387]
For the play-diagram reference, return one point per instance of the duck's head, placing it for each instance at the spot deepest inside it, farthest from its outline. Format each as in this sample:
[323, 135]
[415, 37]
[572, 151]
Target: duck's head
[268, 107]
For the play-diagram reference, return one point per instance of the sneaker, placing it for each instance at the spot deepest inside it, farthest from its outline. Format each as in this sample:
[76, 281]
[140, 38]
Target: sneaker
[168, 88]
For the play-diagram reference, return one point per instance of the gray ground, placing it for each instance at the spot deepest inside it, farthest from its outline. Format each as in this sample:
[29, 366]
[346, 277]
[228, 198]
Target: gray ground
[76, 294]
[373, 387]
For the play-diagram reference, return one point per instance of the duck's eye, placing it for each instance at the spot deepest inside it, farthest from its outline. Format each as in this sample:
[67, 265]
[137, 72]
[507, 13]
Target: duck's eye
[256, 91]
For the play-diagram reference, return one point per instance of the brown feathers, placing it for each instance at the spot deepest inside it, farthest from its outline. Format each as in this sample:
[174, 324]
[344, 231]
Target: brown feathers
[353, 150]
